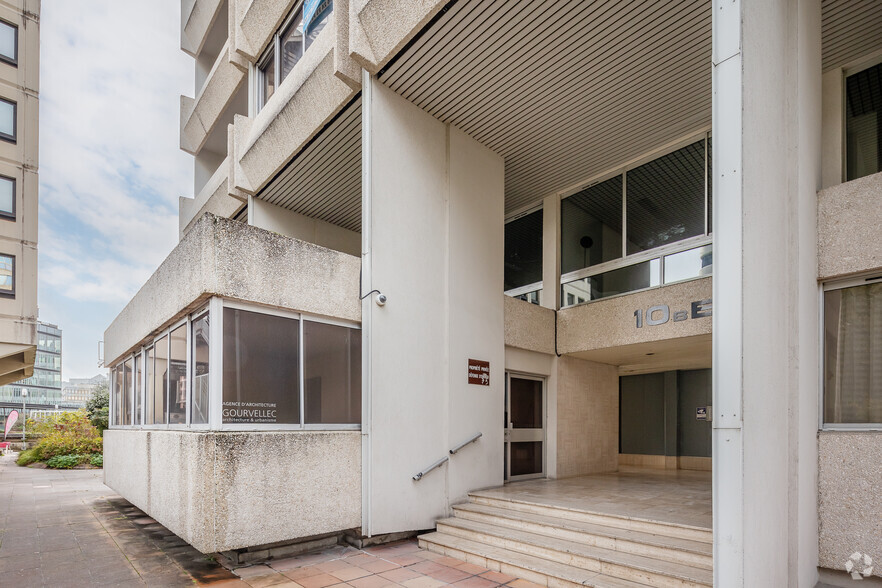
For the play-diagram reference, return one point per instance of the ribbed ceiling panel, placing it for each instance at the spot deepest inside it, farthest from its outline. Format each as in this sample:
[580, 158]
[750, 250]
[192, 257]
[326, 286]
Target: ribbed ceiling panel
[563, 90]
[324, 180]
[850, 29]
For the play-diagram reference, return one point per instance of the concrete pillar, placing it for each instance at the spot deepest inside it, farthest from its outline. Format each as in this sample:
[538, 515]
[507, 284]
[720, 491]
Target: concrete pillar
[551, 252]
[433, 238]
[766, 128]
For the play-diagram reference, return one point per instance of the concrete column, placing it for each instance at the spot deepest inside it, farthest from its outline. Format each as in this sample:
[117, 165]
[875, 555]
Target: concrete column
[551, 252]
[766, 119]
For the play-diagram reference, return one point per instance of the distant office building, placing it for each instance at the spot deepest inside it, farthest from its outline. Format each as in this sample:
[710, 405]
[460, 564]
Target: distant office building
[44, 387]
[78, 390]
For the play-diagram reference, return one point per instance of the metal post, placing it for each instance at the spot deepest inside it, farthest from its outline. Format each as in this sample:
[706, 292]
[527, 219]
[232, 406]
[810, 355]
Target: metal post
[24, 418]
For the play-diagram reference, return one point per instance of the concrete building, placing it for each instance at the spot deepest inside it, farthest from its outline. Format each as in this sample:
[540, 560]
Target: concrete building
[77, 391]
[19, 151]
[591, 286]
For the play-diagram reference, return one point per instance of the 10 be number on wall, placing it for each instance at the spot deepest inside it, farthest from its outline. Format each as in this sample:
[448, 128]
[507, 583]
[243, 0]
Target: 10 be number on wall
[661, 313]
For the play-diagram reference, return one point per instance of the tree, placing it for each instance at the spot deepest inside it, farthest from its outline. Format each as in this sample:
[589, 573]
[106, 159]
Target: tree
[98, 407]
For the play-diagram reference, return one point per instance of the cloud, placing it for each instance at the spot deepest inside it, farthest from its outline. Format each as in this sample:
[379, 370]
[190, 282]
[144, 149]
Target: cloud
[111, 171]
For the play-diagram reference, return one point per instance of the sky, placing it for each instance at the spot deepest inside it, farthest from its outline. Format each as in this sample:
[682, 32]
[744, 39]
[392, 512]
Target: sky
[111, 170]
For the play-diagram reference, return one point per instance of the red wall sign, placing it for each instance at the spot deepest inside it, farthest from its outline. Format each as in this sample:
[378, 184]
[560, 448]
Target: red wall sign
[479, 372]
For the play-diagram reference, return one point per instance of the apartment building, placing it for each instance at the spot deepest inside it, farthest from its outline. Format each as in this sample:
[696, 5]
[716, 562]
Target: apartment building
[587, 290]
[19, 152]
[77, 391]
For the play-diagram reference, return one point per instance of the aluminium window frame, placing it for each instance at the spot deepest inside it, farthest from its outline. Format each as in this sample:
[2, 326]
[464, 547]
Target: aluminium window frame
[13, 138]
[10, 216]
[855, 67]
[13, 61]
[863, 279]
[11, 293]
[527, 288]
[274, 48]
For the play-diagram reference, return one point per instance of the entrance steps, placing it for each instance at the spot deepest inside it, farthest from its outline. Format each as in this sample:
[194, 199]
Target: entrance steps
[555, 546]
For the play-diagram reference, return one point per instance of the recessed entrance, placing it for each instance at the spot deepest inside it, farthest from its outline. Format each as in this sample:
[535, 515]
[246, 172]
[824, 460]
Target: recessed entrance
[524, 427]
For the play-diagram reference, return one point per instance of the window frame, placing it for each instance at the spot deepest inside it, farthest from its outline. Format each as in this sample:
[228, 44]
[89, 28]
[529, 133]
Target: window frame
[10, 294]
[13, 138]
[847, 72]
[864, 279]
[13, 61]
[10, 216]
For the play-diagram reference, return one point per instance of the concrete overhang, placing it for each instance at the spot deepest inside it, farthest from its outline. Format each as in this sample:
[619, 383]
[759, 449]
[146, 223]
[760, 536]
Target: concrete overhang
[16, 362]
[199, 116]
[227, 258]
[197, 18]
[215, 198]
[849, 217]
[319, 87]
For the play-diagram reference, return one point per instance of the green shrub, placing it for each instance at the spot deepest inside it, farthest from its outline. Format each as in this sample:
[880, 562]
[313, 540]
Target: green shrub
[67, 433]
[97, 460]
[64, 462]
[28, 457]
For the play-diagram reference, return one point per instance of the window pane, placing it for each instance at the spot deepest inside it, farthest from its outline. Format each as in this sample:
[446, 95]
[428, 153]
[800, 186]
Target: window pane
[201, 347]
[863, 97]
[710, 186]
[7, 280]
[7, 118]
[7, 196]
[316, 15]
[291, 44]
[117, 377]
[666, 199]
[523, 251]
[268, 78]
[526, 458]
[127, 393]
[591, 226]
[332, 373]
[526, 404]
[261, 368]
[138, 398]
[8, 41]
[691, 263]
[148, 379]
[160, 370]
[853, 355]
[177, 386]
[534, 297]
[618, 281]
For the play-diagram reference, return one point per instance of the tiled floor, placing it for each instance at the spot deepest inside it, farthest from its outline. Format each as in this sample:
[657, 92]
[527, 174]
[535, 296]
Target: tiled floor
[64, 529]
[675, 496]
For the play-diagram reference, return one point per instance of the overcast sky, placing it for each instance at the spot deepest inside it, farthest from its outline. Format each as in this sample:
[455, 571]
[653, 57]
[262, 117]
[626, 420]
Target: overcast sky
[111, 171]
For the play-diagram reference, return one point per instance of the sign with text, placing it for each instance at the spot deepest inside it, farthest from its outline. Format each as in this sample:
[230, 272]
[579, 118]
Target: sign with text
[249, 412]
[479, 372]
[661, 313]
[701, 413]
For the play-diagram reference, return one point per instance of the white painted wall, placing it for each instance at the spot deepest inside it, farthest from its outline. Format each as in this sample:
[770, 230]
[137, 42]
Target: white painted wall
[767, 124]
[433, 244]
[291, 224]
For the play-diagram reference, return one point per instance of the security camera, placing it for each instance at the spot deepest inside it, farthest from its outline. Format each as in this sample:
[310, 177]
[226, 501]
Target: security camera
[381, 300]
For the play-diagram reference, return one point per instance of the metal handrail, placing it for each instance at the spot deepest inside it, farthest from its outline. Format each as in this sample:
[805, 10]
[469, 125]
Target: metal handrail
[438, 463]
[461, 445]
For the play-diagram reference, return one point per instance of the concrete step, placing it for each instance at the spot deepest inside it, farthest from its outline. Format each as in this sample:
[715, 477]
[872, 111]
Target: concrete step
[693, 553]
[654, 527]
[534, 569]
[650, 571]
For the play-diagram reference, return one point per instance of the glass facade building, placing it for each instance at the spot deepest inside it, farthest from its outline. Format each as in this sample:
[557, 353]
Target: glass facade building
[44, 387]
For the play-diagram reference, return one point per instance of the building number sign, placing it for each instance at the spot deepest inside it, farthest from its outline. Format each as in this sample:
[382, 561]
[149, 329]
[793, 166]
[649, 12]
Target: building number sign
[661, 313]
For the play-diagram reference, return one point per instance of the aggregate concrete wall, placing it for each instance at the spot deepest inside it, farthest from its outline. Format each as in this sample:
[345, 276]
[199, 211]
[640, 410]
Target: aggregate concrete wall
[232, 259]
[528, 326]
[849, 217]
[229, 490]
[849, 510]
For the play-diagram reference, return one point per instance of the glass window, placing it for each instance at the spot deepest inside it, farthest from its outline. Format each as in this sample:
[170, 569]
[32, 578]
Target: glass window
[591, 226]
[8, 43]
[7, 120]
[618, 281]
[139, 404]
[201, 348]
[127, 393]
[666, 199]
[117, 383]
[863, 123]
[149, 402]
[331, 373]
[692, 263]
[160, 371]
[267, 78]
[290, 46]
[7, 275]
[7, 197]
[177, 381]
[853, 355]
[523, 251]
[261, 368]
[316, 14]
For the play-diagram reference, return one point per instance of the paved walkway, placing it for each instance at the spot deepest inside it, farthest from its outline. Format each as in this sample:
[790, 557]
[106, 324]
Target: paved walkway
[66, 528]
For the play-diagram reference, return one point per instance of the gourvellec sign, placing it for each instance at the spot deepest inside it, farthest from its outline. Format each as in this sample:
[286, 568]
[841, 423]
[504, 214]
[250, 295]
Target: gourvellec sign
[662, 313]
[249, 412]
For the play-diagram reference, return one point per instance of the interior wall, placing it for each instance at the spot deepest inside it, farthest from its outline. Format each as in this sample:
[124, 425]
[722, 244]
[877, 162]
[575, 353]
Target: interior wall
[291, 224]
[433, 244]
[587, 417]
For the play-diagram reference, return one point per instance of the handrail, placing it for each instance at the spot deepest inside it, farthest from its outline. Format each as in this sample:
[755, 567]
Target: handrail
[461, 445]
[438, 463]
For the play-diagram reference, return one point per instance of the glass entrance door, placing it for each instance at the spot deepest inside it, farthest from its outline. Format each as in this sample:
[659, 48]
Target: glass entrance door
[524, 427]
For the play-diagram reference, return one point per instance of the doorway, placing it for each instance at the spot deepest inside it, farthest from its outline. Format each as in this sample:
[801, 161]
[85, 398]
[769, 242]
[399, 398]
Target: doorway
[524, 427]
